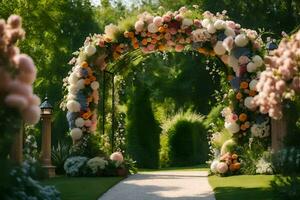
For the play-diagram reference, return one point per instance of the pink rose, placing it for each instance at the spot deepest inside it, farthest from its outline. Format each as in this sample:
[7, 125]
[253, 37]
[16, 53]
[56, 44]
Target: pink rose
[117, 156]
[222, 167]
[179, 48]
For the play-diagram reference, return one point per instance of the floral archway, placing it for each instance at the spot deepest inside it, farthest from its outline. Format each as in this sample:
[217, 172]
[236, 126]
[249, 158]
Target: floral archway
[183, 30]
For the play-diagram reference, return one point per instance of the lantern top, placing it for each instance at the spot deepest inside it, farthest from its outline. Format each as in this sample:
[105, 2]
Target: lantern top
[46, 104]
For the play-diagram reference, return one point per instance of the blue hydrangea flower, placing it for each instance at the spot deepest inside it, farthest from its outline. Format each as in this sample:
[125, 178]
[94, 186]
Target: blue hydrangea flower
[84, 72]
[81, 98]
[235, 83]
[221, 36]
[71, 116]
[241, 51]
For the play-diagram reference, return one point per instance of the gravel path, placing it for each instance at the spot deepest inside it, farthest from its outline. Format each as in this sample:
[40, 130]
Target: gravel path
[162, 185]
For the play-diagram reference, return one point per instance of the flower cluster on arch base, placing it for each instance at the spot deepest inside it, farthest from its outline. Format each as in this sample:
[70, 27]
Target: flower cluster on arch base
[215, 35]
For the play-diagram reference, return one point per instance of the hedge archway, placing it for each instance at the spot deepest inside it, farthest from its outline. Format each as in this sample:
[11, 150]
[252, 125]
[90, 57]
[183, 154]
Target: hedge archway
[183, 30]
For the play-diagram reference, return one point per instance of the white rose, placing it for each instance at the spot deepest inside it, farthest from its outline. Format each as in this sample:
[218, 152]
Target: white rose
[211, 29]
[90, 50]
[79, 122]
[73, 78]
[220, 24]
[258, 61]
[80, 84]
[229, 32]
[213, 166]
[205, 23]
[73, 106]
[252, 84]
[76, 133]
[249, 103]
[186, 23]
[73, 89]
[139, 26]
[219, 48]
[241, 40]
[95, 85]
[71, 97]
[158, 21]
[77, 71]
[232, 127]
[152, 28]
[251, 67]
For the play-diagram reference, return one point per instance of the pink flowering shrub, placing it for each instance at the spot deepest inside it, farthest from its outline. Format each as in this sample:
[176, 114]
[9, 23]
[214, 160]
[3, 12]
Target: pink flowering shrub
[17, 73]
[281, 78]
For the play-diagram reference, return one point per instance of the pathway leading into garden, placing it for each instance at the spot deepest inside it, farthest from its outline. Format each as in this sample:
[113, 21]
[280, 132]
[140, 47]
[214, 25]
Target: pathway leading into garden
[162, 185]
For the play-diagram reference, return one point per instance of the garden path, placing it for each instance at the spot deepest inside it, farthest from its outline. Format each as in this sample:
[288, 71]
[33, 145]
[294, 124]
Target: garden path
[162, 185]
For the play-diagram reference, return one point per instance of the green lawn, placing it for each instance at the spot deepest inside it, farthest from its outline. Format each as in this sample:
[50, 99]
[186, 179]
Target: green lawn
[245, 187]
[82, 188]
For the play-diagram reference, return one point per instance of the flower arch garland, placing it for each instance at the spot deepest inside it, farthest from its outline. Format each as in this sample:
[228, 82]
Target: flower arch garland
[215, 35]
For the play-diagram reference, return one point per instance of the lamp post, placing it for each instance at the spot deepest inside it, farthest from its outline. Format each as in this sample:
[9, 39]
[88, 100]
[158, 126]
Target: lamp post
[46, 114]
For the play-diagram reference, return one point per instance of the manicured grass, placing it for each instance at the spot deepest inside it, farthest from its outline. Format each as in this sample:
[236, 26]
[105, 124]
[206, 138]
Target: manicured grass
[190, 168]
[82, 188]
[245, 187]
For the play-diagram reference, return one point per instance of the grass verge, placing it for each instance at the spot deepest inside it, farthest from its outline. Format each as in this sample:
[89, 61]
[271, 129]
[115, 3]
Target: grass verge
[190, 168]
[246, 187]
[82, 188]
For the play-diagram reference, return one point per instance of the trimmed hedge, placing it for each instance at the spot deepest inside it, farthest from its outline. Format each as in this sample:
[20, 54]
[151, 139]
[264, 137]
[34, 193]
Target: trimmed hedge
[184, 141]
[142, 132]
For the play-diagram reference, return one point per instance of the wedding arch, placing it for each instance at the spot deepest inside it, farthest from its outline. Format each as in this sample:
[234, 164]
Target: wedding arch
[184, 30]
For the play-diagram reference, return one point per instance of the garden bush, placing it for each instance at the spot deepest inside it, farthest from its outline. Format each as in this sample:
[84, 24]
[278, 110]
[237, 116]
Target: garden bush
[59, 155]
[74, 165]
[183, 141]
[19, 182]
[142, 133]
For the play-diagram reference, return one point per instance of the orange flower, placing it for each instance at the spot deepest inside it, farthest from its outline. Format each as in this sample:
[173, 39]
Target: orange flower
[135, 45]
[87, 81]
[144, 42]
[154, 41]
[244, 85]
[232, 167]
[134, 40]
[162, 47]
[92, 78]
[86, 115]
[234, 156]
[203, 51]
[243, 117]
[237, 166]
[252, 93]
[212, 53]
[130, 34]
[238, 96]
[107, 40]
[161, 29]
[84, 64]
[243, 127]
